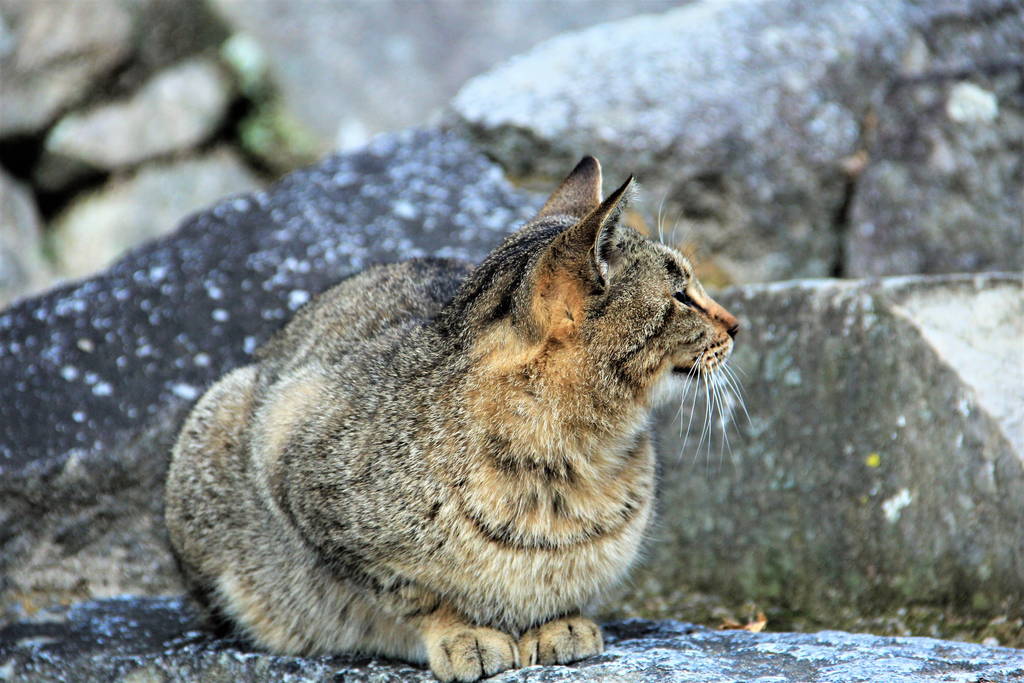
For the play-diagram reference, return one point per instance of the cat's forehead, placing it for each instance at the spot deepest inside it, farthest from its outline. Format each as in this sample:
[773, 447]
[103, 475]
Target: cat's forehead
[672, 260]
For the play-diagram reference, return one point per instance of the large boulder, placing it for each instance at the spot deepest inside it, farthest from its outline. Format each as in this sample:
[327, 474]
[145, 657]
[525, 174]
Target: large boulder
[96, 376]
[157, 640]
[882, 463]
[750, 122]
[349, 70]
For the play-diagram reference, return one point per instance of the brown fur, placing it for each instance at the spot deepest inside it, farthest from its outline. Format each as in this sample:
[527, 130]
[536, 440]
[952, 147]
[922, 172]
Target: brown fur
[444, 463]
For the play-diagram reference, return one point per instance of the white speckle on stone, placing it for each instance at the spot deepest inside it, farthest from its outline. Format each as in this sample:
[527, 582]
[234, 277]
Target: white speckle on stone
[404, 209]
[901, 421]
[213, 291]
[185, 391]
[201, 359]
[964, 407]
[69, 372]
[792, 377]
[296, 298]
[78, 416]
[249, 344]
[969, 103]
[893, 507]
[220, 315]
[103, 389]
[86, 344]
[144, 350]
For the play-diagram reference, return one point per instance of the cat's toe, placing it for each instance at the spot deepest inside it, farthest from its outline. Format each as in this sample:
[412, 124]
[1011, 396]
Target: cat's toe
[470, 654]
[560, 641]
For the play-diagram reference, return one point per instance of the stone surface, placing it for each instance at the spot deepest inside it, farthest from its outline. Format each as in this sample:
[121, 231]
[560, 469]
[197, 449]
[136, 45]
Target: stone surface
[22, 266]
[945, 188]
[96, 376]
[883, 461]
[52, 53]
[156, 640]
[127, 211]
[349, 70]
[745, 120]
[176, 110]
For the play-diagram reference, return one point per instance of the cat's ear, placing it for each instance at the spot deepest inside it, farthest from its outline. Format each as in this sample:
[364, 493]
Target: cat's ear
[579, 193]
[594, 235]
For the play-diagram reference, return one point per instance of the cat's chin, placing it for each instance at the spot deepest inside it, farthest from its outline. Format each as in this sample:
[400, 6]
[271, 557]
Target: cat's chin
[670, 386]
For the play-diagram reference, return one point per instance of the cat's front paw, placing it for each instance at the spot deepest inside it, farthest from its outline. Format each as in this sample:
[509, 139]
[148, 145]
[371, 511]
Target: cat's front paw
[469, 653]
[560, 641]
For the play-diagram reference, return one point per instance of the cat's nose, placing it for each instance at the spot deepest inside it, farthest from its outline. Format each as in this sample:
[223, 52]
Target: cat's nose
[733, 330]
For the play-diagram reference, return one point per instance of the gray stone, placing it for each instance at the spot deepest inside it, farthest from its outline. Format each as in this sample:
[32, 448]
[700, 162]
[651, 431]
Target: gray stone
[883, 460]
[945, 187]
[744, 119]
[23, 270]
[157, 640]
[53, 53]
[127, 211]
[176, 110]
[96, 376]
[348, 70]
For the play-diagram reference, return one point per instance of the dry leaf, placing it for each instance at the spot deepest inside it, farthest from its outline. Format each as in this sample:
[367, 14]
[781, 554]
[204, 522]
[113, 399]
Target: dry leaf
[755, 626]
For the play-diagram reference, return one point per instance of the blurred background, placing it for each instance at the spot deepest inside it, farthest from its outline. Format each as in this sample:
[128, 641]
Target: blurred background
[118, 118]
[850, 176]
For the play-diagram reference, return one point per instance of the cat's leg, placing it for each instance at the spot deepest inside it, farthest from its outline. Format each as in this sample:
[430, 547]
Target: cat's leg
[459, 651]
[560, 641]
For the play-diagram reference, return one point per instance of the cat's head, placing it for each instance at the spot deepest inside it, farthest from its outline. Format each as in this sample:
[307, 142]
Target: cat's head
[577, 288]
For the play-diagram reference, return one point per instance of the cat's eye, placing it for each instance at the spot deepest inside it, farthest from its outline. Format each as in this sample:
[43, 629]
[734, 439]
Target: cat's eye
[684, 298]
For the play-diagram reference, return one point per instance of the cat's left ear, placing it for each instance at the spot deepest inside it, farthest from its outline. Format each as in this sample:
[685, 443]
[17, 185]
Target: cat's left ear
[594, 235]
[578, 194]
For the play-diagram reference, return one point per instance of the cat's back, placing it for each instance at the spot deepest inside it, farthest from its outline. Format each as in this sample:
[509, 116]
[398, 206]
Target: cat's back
[349, 319]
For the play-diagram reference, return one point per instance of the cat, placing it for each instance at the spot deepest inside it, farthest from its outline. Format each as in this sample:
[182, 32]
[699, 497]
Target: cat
[444, 463]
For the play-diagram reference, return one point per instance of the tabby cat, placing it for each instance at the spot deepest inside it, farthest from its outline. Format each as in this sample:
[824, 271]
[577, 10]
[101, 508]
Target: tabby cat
[444, 463]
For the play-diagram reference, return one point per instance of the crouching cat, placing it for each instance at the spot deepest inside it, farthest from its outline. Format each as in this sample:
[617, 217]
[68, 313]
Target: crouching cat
[444, 463]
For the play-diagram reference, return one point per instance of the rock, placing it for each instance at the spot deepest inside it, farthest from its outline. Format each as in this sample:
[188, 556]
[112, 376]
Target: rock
[177, 109]
[100, 226]
[943, 190]
[745, 118]
[157, 639]
[883, 461]
[23, 269]
[96, 376]
[53, 54]
[350, 70]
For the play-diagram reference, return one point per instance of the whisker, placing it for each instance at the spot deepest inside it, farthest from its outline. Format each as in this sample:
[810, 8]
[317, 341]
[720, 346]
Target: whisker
[737, 391]
[661, 225]
[693, 402]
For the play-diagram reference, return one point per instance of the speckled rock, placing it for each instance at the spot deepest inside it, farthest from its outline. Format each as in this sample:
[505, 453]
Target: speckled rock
[157, 640]
[745, 120]
[95, 377]
[50, 55]
[130, 209]
[178, 109]
[22, 266]
[883, 460]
